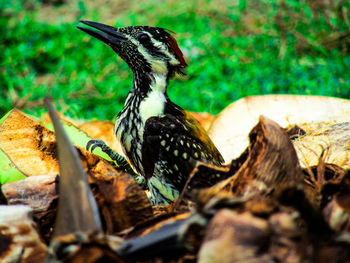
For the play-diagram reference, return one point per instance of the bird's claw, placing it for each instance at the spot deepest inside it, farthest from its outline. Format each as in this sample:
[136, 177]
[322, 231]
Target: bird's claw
[117, 160]
[94, 143]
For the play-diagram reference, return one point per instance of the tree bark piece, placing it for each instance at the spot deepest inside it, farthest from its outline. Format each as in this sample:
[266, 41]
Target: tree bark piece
[38, 192]
[122, 202]
[41, 194]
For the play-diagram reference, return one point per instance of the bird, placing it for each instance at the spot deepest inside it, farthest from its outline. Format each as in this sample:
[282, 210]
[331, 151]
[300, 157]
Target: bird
[162, 141]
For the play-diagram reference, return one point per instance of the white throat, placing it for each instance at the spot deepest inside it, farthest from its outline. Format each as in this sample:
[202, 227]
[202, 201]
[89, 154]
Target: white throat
[153, 104]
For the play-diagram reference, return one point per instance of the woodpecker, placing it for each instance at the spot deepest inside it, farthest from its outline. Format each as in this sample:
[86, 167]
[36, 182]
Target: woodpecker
[162, 141]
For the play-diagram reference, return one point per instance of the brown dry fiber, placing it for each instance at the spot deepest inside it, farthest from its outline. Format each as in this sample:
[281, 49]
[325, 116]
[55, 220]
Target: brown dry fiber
[230, 129]
[330, 140]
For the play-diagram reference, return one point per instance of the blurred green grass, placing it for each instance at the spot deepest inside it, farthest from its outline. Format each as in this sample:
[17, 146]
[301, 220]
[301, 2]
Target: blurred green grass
[233, 48]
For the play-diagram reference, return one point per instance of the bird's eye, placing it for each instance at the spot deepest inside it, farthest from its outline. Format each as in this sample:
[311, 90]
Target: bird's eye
[142, 37]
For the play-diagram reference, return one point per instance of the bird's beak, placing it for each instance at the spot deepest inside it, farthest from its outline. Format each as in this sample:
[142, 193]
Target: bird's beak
[109, 34]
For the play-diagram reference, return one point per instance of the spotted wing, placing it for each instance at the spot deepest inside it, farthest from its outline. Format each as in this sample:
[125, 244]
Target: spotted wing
[173, 145]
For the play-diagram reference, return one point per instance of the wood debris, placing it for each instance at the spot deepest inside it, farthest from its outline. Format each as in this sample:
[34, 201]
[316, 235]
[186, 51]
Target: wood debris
[19, 239]
[266, 205]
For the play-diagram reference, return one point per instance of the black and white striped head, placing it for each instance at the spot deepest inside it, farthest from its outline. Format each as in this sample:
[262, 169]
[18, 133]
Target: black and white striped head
[144, 48]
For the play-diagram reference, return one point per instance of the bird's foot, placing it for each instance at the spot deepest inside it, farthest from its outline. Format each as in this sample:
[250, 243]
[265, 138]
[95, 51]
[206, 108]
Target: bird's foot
[115, 158]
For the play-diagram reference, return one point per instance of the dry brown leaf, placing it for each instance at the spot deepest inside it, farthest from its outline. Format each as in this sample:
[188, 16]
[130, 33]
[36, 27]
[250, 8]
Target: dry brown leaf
[28, 144]
[103, 130]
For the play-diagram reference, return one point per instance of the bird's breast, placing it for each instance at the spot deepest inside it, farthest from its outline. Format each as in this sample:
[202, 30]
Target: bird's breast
[129, 130]
[152, 106]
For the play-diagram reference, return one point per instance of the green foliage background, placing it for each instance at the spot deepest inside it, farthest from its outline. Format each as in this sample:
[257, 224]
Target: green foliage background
[233, 48]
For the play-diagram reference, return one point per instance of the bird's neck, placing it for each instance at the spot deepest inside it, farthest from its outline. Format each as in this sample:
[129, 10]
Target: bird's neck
[149, 93]
[146, 83]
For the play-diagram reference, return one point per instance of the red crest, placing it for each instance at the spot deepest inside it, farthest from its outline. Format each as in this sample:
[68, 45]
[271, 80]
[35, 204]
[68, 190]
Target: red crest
[174, 47]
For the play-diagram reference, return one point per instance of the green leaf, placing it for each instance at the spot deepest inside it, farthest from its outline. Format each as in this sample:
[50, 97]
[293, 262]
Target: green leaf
[8, 172]
[79, 138]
